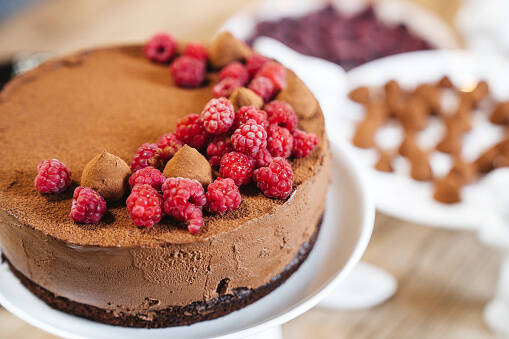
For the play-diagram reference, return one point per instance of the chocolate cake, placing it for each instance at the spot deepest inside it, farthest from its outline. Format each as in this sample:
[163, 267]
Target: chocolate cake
[114, 99]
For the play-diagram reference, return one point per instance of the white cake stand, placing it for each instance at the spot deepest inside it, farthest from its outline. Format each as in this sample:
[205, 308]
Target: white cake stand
[345, 233]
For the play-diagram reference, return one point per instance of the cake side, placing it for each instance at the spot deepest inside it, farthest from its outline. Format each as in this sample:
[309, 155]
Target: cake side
[153, 317]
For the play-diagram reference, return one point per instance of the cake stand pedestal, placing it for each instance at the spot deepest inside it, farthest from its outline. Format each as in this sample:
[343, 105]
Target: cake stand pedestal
[366, 286]
[494, 232]
[496, 313]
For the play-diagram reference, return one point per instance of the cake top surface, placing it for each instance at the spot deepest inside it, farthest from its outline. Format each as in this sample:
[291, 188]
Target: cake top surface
[114, 100]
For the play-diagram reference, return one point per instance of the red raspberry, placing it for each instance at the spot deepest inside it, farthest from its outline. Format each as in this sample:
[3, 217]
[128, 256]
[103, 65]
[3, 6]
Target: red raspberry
[235, 70]
[160, 48]
[217, 148]
[179, 193]
[52, 176]
[223, 196]
[237, 166]
[250, 138]
[262, 158]
[196, 51]
[276, 180]
[225, 87]
[303, 143]
[279, 141]
[254, 63]
[147, 176]
[282, 114]
[276, 105]
[88, 206]
[168, 145]
[263, 87]
[194, 217]
[144, 205]
[188, 71]
[190, 131]
[275, 72]
[144, 157]
[218, 116]
[249, 112]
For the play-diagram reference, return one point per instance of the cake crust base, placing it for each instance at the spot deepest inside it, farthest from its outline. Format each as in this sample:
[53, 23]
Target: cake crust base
[174, 315]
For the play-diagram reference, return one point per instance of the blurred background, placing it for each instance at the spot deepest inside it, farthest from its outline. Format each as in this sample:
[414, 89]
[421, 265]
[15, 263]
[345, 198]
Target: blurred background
[445, 276]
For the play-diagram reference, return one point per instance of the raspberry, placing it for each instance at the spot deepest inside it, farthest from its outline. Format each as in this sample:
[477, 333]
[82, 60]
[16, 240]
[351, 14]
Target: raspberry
[218, 116]
[196, 51]
[144, 205]
[250, 138]
[254, 63]
[144, 157]
[188, 71]
[217, 148]
[235, 70]
[303, 143]
[279, 141]
[225, 87]
[249, 112]
[52, 176]
[147, 176]
[263, 87]
[276, 180]
[223, 196]
[194, 217]
[282, 114]
[88, 206]
[276, 105]
[168, 145]
[275, 73]
[179, 193]
[190, 131]
[262, 158]
[236, 166]
[160, 48]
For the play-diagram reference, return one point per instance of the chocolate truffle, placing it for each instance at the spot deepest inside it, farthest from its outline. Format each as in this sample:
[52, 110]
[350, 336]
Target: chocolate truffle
[245, 97]
[299, 97]
[226, 48]
[191, 164]
[108, 175]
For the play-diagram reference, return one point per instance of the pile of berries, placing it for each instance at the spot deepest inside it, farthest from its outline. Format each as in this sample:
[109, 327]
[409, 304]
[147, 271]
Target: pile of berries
[249, 144]
[246, 145]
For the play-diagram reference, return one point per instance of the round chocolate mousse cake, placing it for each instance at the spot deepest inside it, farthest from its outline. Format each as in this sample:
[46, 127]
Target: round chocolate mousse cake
[209, 218]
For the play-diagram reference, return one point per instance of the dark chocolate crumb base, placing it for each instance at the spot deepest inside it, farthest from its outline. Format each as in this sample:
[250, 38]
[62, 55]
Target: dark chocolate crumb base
[173, 315]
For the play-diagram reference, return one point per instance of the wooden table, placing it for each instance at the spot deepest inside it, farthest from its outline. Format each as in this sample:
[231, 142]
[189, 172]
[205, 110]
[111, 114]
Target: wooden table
[445, 277]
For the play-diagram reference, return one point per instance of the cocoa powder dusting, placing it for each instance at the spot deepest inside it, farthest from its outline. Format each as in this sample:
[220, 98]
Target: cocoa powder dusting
[75, 125]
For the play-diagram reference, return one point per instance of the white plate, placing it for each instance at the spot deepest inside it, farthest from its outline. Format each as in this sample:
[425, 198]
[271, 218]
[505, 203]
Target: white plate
[397, 194]
[345, 233]
[419, 20]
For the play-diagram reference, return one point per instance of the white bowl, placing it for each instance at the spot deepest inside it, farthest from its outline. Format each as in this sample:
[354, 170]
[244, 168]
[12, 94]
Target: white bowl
[345, 233]
[420, 21]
